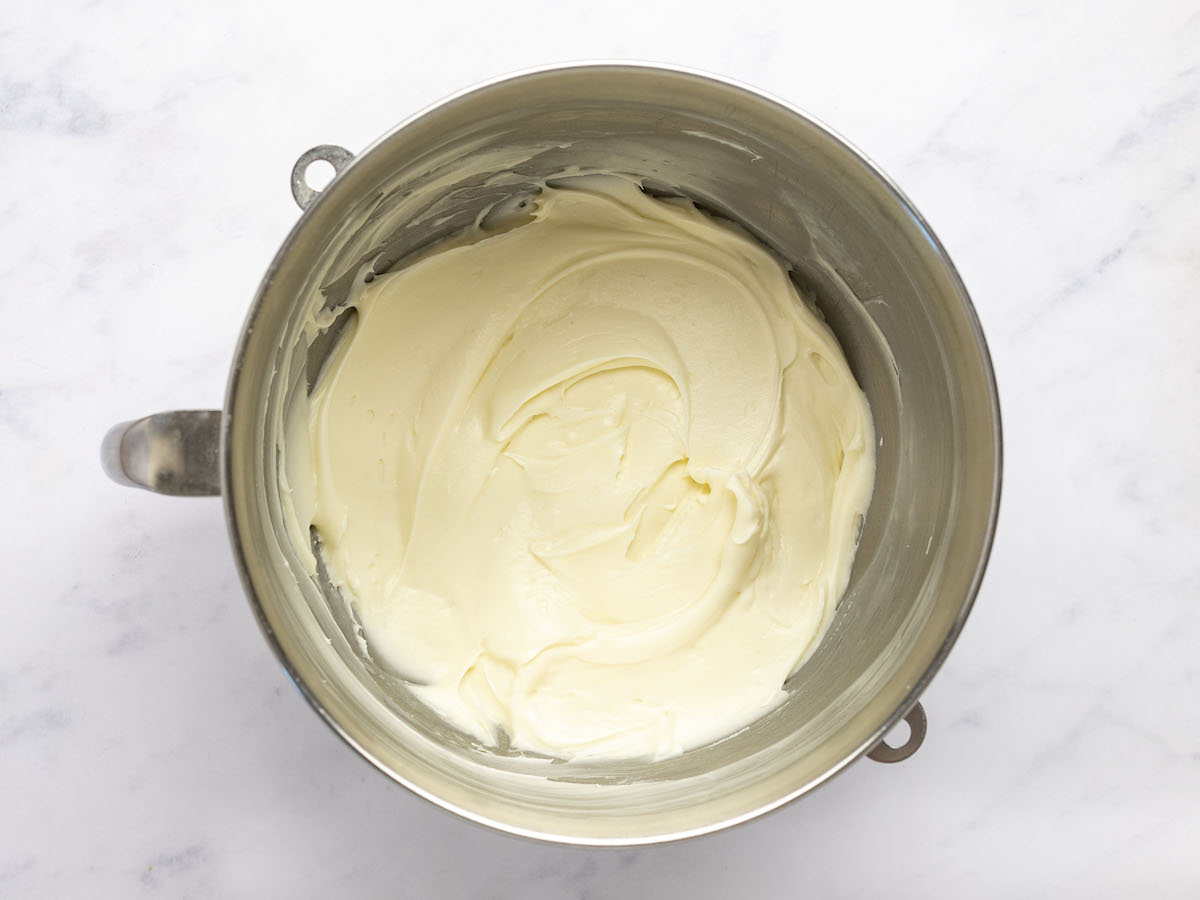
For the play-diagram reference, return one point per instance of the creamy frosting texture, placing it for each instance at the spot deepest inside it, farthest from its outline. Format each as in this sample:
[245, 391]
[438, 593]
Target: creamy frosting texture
[595, 481]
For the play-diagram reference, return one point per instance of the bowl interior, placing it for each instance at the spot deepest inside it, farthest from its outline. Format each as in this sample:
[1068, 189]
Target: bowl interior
[855, 247]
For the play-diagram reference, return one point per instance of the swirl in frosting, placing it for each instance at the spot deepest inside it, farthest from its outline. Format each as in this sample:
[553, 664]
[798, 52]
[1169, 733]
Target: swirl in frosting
[595, 481]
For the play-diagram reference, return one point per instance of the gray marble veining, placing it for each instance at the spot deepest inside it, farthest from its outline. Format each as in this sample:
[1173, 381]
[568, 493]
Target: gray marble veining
[149, 744]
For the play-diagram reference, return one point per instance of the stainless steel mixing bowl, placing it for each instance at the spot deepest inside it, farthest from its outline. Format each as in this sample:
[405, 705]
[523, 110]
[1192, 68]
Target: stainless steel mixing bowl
[855, 243]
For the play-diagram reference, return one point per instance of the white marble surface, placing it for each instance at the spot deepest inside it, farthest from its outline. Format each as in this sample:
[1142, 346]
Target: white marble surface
[149, 743]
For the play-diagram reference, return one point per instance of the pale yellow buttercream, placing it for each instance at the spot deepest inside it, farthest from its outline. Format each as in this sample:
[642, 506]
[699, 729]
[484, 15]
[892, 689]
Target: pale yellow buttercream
[595, 480]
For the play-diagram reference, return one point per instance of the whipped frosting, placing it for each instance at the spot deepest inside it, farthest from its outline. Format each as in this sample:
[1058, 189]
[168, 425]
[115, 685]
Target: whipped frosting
[594, 482]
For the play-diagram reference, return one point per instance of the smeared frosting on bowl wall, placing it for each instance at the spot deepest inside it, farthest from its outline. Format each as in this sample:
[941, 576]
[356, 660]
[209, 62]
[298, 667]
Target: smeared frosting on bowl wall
[593, 481]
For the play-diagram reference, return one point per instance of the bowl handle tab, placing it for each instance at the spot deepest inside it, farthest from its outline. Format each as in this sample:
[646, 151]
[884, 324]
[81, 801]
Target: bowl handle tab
[304, 193]
[885, 753]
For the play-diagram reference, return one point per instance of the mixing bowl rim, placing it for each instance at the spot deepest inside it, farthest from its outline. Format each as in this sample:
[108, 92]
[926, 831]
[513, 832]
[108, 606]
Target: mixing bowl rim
[228, 462]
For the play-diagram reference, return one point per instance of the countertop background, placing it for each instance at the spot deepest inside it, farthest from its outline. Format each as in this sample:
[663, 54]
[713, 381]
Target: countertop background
[149, 742]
